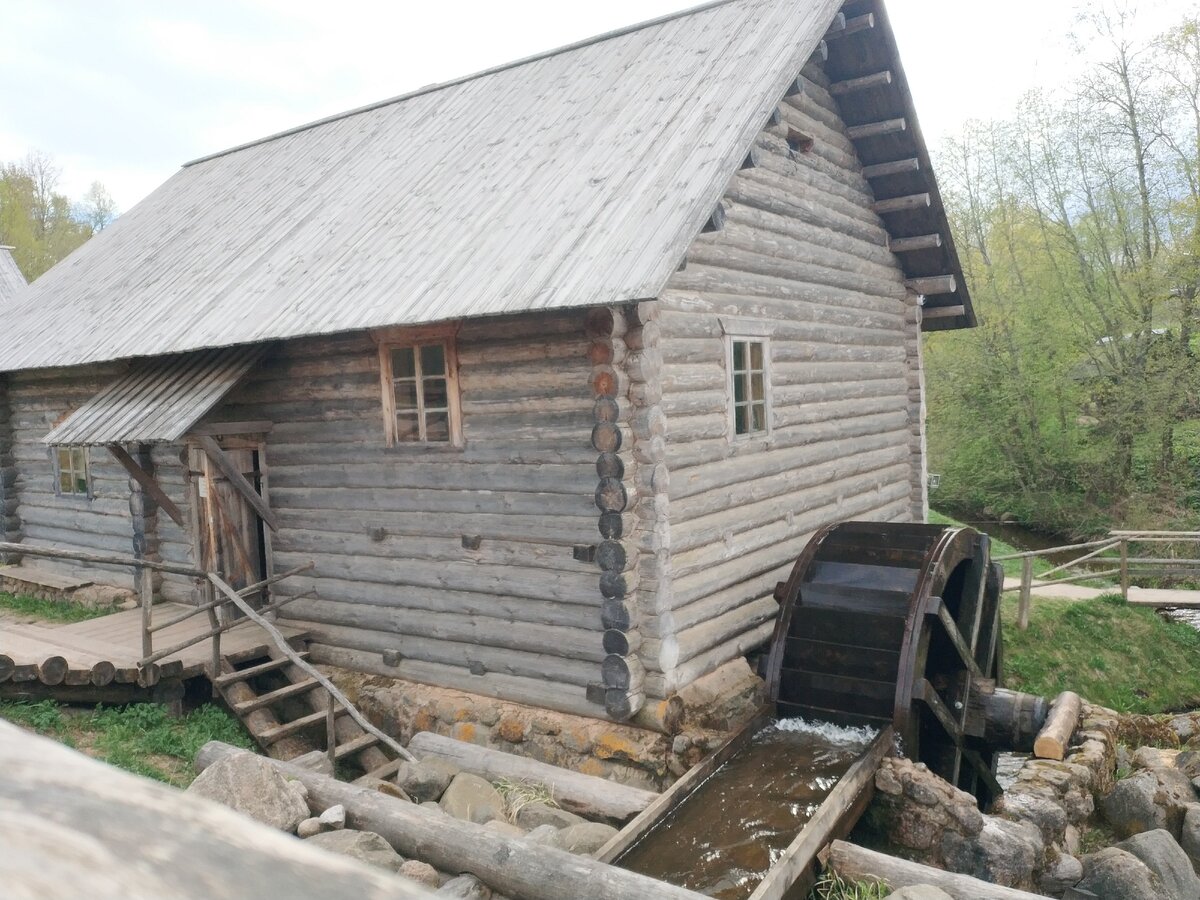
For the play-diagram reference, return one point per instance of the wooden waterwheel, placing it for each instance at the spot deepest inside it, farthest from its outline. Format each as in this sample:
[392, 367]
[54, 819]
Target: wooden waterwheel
[894, 624]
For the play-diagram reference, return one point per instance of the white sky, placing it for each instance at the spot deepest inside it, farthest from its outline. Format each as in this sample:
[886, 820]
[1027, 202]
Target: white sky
[124, 91]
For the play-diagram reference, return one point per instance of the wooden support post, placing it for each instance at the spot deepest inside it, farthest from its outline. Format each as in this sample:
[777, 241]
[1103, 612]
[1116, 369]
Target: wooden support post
[1026, 590]
[146, 599]
[1125, 569]
[331, 740]
[1055, 737]
[238, 480]
[896, 167]
[148, 482]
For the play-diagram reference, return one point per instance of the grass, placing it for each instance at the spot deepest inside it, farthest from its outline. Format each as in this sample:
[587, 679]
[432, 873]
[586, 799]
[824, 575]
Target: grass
[49, 610]
[1124, 657]
[519, 794]
[141, 739]
[833, 887]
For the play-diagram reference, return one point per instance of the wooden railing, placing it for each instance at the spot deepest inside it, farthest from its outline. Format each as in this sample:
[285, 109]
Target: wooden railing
[1126, 565]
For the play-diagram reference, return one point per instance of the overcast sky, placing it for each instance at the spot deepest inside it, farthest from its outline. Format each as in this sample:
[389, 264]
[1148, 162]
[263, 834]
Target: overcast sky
[124, 91]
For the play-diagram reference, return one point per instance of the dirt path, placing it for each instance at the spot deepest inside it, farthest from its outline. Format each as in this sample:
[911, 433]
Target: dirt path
[1152, 597]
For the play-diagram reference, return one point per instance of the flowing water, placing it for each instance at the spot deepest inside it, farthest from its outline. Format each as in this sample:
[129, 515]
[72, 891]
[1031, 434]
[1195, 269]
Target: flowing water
[723, 839]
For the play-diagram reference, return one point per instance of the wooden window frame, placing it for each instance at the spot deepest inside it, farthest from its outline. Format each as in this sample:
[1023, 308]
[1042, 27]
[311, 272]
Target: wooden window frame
[417, 338]
[748, 339]
[56, 462]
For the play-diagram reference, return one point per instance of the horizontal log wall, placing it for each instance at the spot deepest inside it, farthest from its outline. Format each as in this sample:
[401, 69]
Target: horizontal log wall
[802, 261]
[175, 541]
[38, 400]
[452, 566]
[10, 519]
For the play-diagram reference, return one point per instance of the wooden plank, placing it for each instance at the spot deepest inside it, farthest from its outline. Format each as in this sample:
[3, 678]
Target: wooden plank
[253, 671]
[219, 429]
[148, 482]
[362, 742]
[677, 793]
[283, 693]
[110, 559]
[835, 816]
[238, 480]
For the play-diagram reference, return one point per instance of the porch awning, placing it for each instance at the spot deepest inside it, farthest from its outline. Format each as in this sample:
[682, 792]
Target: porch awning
[158, 400]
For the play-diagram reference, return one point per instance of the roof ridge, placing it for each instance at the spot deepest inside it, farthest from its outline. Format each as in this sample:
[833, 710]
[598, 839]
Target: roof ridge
[462, 79]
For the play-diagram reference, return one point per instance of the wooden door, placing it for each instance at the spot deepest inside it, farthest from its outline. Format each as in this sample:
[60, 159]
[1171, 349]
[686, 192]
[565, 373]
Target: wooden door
[231, 538]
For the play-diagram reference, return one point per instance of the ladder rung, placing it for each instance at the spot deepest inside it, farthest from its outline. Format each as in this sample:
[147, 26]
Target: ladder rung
[387, 770]
[362, 742]
[254, 671]
[289, 728]
[292, 690]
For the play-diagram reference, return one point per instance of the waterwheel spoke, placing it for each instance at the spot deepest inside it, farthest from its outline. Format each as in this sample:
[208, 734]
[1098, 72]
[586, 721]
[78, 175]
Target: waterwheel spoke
[984, 771]
[974, 591]
[927, 693]
[956, 636]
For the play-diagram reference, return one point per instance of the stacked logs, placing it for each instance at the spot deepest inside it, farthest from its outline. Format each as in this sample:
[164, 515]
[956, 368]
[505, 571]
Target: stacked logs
[29, 677]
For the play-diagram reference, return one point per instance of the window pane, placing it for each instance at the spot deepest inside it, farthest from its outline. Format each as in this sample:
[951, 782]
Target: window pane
[739, 388]
[406, 395]
[756, 356]
[64, 458]
[437, 426]
[739, 419]
[739, 356]
[435, 393]
[406, 427]
[759, 418]
[81, 484]
[64, 482]
[758, 388]
[403, 363]
[433, 360]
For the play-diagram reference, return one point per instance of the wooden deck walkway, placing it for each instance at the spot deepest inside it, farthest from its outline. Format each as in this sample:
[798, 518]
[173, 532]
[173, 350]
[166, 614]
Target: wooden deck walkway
[116, 639]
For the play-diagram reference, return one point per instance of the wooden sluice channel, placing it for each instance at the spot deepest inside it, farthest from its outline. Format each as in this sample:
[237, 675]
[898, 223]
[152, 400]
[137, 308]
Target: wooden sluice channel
[888, 642]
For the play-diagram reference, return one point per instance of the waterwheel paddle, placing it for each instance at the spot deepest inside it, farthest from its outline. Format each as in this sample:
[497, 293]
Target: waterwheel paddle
[894, 624]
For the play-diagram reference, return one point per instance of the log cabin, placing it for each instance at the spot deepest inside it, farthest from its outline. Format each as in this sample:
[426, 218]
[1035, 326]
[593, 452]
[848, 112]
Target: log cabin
[550, 370]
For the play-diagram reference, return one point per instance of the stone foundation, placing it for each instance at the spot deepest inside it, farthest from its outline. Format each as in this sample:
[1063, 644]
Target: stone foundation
[714, 707]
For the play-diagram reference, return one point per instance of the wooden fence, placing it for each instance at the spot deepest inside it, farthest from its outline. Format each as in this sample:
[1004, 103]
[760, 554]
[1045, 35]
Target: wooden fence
[1127, 564]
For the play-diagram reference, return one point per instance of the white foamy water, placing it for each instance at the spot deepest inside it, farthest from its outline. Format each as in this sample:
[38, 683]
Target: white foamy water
[834, 734]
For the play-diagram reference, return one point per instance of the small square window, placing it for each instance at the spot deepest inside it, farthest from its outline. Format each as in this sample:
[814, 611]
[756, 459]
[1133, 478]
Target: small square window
[421, 392]
[73, 476]
[749, 381]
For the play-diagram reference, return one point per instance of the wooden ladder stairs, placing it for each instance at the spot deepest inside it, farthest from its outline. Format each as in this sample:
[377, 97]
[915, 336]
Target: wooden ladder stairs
[277, 719]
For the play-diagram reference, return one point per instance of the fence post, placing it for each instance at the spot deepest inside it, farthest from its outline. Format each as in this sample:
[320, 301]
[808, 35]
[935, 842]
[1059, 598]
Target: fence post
[1125, 569]
[1026, 589]
[331, 730]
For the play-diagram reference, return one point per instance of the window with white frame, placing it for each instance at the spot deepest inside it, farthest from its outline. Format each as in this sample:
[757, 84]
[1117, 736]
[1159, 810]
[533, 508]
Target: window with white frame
[72, 472]
[420, 385]
[749, 371]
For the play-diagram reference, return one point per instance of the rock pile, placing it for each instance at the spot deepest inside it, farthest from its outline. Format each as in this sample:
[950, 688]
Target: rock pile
[252, 786]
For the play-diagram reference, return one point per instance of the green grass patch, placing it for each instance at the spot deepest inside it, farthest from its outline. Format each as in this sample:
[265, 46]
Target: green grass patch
[1124, 657]
[49, 610]
[141, 738]
[833, 887]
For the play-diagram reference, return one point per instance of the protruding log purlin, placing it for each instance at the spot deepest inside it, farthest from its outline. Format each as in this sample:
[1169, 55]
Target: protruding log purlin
[795, 89]
[943, 312]
[877, 129]
[822, 52]
[902, 204]
[936, 284]
[752, 160]
[864, 83]
[716, 221]
[911, 244]
[848, 27]
[896, 167]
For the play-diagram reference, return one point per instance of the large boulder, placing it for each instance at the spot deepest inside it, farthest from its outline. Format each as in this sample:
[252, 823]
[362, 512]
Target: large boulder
[531, 815]
[1003, 852]
[472, 799]
[465, 887]
[1189, 837]
[365, 846]
[252, 786]
[1064, 872]
[920, 892]
[420, 872]
[427, 779]
[1166, 859]
[584, 839]
[1147, 800]
[1116, 874]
